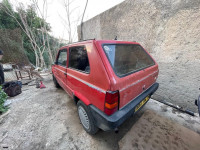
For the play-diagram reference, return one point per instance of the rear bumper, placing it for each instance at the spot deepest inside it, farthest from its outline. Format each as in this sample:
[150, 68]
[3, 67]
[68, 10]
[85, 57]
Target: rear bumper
[107, 123]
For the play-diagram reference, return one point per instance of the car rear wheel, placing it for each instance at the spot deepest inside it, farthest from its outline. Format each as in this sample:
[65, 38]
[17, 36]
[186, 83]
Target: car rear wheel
[55, 82]
[86, 118]
[198, 104]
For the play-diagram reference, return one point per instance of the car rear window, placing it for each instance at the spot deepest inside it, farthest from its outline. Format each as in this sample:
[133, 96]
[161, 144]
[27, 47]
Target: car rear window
[127, 58]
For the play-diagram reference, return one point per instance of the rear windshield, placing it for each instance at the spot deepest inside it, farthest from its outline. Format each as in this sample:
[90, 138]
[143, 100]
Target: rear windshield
[127, 58]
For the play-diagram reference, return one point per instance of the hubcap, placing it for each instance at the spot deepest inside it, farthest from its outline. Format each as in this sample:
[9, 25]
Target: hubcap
[83, 117]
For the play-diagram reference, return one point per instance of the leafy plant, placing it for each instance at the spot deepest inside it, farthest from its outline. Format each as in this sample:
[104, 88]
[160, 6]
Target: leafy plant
[3, 97]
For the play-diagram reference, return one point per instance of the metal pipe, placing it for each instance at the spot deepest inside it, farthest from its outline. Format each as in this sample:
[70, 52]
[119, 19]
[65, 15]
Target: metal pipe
[187, 111]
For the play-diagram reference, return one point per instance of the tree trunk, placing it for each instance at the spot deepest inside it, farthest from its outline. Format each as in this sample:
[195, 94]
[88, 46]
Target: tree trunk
[42, 62]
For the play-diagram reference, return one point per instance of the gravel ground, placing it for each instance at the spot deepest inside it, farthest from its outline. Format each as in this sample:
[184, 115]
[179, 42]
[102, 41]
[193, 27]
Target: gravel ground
[47, 119]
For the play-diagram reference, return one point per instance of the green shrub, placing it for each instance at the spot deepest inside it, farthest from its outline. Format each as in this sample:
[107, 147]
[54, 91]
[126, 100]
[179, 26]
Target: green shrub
[3, 97]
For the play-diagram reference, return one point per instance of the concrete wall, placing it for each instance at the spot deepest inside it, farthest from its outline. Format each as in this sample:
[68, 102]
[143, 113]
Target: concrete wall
[169, 30]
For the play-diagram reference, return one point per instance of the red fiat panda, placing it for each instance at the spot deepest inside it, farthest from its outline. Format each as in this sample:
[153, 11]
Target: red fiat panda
[109, 80]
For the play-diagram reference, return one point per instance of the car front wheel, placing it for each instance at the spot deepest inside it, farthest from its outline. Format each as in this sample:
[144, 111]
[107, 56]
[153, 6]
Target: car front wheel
[55, 82]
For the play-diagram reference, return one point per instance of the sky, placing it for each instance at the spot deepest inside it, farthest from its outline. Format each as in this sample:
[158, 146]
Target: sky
[56, 14]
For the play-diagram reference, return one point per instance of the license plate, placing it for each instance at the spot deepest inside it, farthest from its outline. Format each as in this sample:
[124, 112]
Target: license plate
[141, 103]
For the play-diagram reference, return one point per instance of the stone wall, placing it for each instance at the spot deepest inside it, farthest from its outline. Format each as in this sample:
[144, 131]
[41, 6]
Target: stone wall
[169, 30]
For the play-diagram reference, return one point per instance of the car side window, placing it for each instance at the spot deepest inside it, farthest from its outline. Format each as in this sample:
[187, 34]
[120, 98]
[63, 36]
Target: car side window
[62, 58]
[78, 59]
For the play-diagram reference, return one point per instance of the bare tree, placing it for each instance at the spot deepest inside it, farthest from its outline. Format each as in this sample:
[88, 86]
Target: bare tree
[45, 35]
[40, 45]
[71, 21]
[82, 20]
[25, 27]
[33, 39]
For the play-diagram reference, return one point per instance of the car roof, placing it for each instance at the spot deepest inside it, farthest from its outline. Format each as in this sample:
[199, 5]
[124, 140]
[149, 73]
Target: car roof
[100, 41]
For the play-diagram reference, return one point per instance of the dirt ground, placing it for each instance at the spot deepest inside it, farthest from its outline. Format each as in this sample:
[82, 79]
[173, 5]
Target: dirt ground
[47, 119]
[154, 132]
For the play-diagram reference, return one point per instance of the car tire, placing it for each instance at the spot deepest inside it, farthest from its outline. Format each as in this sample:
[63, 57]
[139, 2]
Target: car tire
[55, 82]
[86, 118]
[198, 104]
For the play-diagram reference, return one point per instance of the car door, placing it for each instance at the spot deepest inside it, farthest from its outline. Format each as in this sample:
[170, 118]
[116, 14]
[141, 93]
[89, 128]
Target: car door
[61, 68]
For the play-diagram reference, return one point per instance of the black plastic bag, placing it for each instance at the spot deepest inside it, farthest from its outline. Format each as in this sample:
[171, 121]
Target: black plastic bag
[12, 88]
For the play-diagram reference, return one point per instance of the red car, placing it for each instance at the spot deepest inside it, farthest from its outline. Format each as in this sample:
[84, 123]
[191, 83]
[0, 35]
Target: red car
[109, 80]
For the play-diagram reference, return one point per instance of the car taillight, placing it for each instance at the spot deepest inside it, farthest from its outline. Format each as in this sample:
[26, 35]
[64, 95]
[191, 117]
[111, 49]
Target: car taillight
[111, 102]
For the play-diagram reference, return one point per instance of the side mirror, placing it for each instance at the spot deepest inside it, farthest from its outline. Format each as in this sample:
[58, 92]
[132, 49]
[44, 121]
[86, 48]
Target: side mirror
[55, 63]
